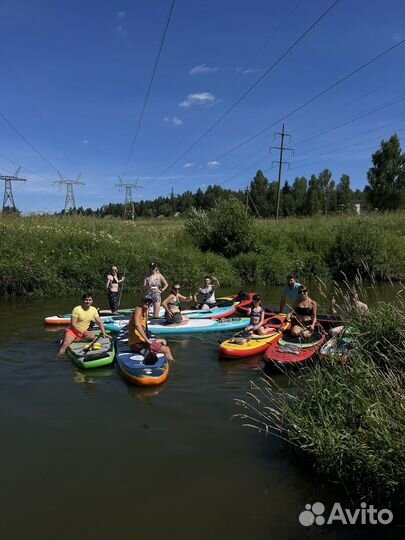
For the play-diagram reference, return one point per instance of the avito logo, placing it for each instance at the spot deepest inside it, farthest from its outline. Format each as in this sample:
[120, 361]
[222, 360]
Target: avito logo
[365, 515]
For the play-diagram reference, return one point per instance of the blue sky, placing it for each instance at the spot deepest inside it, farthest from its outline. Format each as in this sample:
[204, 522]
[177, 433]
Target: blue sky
[74, 79]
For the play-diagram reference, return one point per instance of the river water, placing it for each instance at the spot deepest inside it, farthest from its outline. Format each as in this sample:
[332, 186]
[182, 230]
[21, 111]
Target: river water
[86, 456]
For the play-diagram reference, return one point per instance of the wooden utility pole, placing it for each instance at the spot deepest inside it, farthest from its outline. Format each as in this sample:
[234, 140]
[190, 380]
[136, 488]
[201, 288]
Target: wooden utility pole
[280, 166]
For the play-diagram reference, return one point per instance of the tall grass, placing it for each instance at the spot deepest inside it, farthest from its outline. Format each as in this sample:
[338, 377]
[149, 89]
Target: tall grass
[347, 419]
[53, 255]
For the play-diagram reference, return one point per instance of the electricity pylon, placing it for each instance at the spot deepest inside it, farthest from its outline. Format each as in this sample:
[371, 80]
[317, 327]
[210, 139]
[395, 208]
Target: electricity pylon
[129, 209]
[8, 191]
[70, 203]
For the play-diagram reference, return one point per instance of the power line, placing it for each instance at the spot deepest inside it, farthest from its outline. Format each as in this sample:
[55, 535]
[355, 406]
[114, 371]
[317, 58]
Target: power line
[247, 92]
[149, 89]
[306, 103]
[27, 141]
[242, 70]
[354, 119]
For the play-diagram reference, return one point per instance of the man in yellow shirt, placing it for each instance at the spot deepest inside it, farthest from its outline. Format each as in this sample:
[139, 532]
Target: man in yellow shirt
[79, 324]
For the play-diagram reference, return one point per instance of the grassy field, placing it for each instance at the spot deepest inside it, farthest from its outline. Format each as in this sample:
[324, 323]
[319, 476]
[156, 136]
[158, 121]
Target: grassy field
[49, 256]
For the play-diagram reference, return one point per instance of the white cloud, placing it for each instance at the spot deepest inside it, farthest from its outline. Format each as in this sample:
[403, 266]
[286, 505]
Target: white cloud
[200, 98]
[120, 14]
[121, 30]
[188, 165]
[247, 70]
[213, 164]
[202, 69]
[85, 141]
[175, 121]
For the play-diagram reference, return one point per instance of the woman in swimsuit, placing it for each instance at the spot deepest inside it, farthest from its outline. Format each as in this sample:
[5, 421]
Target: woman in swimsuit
[112, 289]
[256, 313]
[173, 307]
[154, 285]
[303, 317]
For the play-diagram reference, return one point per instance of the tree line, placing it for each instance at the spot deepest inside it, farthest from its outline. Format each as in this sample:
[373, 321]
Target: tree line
[301, 197]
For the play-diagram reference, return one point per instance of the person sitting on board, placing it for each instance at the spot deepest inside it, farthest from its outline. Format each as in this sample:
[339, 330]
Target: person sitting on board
[172, 306]
[351, 305]
[304, 315]
[154, 285]
[138, 339]
[80, 321]
[256, 313]
[112, 289]
[289, 293]
[207, 293]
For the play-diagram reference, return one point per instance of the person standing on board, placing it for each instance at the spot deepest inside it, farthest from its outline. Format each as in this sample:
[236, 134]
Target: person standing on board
[289, 293]
[82, 316]
[154, 285]
[112, 289]
[208, 293]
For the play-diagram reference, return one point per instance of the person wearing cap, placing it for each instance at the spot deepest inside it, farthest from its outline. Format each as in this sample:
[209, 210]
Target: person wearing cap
[289, 293]
[256, 313]
[138, 334]
[112, 289]
[304, 315]
[207, 293]
[154, 285]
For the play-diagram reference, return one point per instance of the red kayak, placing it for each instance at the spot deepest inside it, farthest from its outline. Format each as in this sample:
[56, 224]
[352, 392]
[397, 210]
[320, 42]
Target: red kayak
[290, 351]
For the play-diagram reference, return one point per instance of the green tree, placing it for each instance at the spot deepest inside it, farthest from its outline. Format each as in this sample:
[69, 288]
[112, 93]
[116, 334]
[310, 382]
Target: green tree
[386, 178]
[287, 201]
[344, 194]
[299, 191]
[258, 192]
[327, 188]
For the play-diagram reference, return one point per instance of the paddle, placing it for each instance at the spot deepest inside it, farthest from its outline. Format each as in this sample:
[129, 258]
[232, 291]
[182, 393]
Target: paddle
[90, 345]
[122, 288]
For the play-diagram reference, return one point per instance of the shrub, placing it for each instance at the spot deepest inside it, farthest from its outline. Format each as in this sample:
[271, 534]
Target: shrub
[225, 229]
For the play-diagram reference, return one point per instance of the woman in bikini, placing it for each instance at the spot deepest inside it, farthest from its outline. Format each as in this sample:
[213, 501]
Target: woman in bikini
[303, 317]
[154, 285]
[112, 289]
[173, 307]
[256, 313]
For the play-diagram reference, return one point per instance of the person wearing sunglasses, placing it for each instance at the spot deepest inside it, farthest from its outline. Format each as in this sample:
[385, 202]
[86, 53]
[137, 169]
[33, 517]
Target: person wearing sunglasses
[172, 306]
[304, 315]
